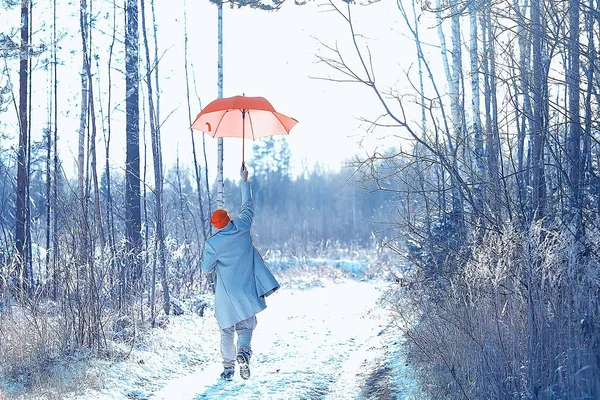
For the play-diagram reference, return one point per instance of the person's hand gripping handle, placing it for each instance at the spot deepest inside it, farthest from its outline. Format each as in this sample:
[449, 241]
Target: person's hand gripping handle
[244, 172]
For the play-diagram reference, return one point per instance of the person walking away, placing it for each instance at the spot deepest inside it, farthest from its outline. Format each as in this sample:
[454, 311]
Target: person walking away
[242, 283]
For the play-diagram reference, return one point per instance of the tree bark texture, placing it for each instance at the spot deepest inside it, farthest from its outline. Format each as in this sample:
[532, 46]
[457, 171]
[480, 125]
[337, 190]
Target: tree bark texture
[22, 154]
[133, 219]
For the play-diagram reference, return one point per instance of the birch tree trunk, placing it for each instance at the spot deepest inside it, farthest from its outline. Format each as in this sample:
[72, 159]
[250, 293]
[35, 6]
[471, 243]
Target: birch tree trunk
[456, 111]
[82, 171]
[83, 116]
[419, 148]
[220, 202]
[477, 128]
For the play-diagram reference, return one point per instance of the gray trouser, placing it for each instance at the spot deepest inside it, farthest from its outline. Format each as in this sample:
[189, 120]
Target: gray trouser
[244, 331]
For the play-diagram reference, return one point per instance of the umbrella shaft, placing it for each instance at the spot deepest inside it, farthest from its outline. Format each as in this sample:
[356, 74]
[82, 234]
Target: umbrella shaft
[243, 134]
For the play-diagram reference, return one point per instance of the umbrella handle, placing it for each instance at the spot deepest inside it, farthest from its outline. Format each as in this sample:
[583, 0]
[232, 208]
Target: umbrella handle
[245, 179]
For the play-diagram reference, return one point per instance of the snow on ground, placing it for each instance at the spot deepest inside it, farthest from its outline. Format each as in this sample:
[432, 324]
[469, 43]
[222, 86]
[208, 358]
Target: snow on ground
[301, 346]
[317, 343]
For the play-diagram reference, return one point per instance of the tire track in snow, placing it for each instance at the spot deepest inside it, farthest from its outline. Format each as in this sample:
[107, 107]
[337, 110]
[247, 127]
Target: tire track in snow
[318, 343]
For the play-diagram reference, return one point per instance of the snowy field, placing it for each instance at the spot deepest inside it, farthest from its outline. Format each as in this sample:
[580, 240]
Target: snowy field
[326, 342]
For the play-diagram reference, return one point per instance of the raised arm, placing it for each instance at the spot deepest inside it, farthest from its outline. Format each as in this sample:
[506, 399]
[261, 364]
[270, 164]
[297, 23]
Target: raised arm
[247, 211]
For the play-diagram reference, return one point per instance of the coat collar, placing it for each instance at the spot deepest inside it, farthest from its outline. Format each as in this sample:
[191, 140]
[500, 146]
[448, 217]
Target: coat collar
[227, 227]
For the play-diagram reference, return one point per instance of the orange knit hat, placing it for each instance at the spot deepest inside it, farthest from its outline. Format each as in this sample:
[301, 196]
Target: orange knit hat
[220, 219]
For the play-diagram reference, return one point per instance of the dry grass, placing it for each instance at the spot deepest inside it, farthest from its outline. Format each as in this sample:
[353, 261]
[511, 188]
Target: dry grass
[519, 320]
[37, 356]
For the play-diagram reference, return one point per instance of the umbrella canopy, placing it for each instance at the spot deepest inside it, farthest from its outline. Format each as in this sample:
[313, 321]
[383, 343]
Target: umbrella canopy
[242, 116]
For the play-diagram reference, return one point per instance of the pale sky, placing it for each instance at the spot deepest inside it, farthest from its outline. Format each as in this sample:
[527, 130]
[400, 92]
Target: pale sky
[269, 54]
[272, 54]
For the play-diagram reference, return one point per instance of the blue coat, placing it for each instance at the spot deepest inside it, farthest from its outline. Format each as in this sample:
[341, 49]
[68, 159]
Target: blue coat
[243, 279]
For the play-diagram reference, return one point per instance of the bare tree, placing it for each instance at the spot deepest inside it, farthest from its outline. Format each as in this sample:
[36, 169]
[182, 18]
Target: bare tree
[476, 101]
[158, 175]
[220, 202]
[574, 143]
[486, 307]
[538, 120]
[203, 220]
[55, 248]
[85, 102]
[22, 245]
[491, 113]
[133, 220]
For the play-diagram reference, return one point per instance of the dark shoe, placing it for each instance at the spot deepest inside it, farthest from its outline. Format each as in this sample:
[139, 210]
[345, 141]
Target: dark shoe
[243, 358]
[227, 373]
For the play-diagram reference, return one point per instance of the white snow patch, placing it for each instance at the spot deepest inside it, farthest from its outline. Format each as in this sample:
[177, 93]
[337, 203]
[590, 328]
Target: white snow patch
[301, 345]
[309, 343]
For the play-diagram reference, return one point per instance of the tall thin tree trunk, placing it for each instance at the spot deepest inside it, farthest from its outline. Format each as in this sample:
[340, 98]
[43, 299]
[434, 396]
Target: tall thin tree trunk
[586, 161]
[184, 225]
[87, 42]
[93, 166]
[145, 220]
[574, 125]
[196, 165]
[220, 202]
[48, 140]
[423, 115]
[28, 265]
[539, 124]
[97, 222]
[133, 219]
[533, 351]
[22, 173]
[156, 80]
[55, 249]
[453, 79]
[524, 122]
[207, 223]
[491, 138]
[83, 146]
[477, 128]
[208, 195]
[597, 95]
[83, 117]
[158, 169]
[107, 138]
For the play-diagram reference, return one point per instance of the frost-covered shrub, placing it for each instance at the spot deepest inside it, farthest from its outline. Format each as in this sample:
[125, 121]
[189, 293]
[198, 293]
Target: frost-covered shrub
[519, 320]
[435, 255]
[202, 304]
[123, 328]
[36, 351]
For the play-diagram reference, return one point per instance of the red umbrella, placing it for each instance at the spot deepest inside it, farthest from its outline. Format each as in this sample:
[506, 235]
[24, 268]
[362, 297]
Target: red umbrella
[242, 116]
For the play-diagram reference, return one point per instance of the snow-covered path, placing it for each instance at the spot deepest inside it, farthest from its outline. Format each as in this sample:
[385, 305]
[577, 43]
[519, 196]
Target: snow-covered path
[319, 343]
